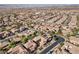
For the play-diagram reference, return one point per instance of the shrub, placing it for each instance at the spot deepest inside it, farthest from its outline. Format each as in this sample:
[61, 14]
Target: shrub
[75, 31]
[52, 33]
[36, 33]
[24, 39]
[56, 39]
[12, 44]
[61, 44]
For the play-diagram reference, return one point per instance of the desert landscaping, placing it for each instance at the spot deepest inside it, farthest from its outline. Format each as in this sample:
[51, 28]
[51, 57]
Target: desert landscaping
[39, 31]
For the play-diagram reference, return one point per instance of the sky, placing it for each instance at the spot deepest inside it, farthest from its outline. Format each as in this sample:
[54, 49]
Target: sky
[34, 5]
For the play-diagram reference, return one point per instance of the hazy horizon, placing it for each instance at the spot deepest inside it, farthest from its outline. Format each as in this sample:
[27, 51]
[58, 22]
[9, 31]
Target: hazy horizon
[34, 5]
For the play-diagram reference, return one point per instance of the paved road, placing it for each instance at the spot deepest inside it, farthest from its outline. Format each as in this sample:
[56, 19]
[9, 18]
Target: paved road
[60, 39]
